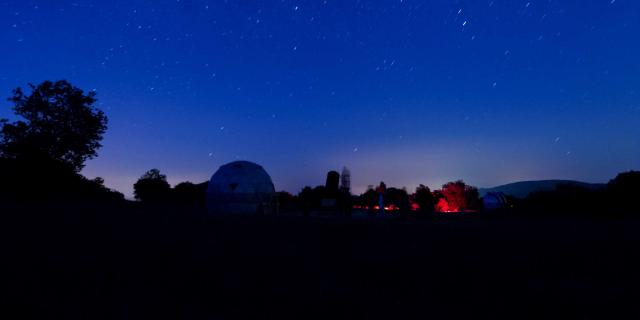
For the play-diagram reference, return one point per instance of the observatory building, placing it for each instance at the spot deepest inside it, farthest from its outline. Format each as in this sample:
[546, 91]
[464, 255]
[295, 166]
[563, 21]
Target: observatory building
[494, 201]
[241, 188]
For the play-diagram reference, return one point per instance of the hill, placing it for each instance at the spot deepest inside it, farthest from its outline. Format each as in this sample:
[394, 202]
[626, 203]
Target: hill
[522, 188]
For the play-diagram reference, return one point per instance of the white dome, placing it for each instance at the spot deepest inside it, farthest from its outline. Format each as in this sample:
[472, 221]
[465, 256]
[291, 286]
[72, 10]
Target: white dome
[240, 187]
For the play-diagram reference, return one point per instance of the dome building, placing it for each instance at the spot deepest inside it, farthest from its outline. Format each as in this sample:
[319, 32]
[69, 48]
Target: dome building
[494, 201]
[241, 188]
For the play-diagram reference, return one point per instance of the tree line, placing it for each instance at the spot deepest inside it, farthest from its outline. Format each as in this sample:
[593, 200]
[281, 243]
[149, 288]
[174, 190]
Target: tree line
[59, 128]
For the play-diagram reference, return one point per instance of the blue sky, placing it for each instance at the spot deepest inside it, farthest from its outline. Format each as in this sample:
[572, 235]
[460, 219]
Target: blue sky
[405, 91]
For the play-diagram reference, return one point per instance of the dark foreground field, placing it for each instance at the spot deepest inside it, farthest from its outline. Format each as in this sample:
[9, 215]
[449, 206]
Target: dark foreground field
[128, 262]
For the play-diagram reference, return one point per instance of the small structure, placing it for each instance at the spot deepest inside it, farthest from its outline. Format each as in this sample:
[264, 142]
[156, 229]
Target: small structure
[345, 180]
[381, 190]
[333, 178]
[334, 199]
[241, 188]
[494, 201]
[330, 199]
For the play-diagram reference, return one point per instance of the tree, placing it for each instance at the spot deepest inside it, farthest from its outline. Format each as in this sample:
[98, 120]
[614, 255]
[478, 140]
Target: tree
[46, 179]
[286, 201]
[306, 199]
[624, 190]
[565, 199]
[397, 198]
[369, 199]
[59, 123]
[152, 187]
[459, 196]
[424, 199]
[190, 193]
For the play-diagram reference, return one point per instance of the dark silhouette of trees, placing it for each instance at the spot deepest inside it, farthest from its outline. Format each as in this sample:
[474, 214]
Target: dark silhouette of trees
[95, 188]
[345, 201]
[286, 201]
[398, 198]
[440, 201]
[393, 198]
[566, 199]
[424, 199]
[41, 153]
[623, 191]
[459, 196]
[319, 193]
[59, 123]
[310, 198]
[369, 199]
[306, 199]
[190, 193]
[152, 187]
[454, 194]
[618, 197]
[46, 179]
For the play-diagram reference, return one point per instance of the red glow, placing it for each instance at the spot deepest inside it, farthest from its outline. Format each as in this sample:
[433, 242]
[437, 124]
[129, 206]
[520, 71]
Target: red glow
[443, 205]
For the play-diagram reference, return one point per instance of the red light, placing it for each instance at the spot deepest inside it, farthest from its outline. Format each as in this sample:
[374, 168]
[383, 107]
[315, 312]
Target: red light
[443, 206]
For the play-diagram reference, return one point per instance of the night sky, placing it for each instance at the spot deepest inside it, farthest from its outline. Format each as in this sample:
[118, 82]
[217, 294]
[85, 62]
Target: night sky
[404, 91]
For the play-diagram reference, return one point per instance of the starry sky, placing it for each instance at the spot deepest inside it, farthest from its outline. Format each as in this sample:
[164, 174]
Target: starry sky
[405, 91]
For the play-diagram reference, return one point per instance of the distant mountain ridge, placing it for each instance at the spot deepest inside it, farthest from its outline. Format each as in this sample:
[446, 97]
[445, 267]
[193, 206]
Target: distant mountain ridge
[521, 189]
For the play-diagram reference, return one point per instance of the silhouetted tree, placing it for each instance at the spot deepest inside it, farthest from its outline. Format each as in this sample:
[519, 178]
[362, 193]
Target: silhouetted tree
[57, 130]
[152, 187]
[48, 179]
[369, 199]
[286, 201]
[95, 188]
[459, 196]
[345, 202]
[319, 193]
[424, 199]
[398, 198]
[59, 122]
[623, 191]
[305, 198]
[473, 198]
[454, 194]
[190, 193]
[564, 199]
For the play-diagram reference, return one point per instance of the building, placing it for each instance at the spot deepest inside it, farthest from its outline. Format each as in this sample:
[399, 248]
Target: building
[241, 188]
[345, 180]
[494, 201]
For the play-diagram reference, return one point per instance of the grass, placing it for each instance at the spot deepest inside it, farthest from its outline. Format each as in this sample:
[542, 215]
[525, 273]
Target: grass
[128, 261]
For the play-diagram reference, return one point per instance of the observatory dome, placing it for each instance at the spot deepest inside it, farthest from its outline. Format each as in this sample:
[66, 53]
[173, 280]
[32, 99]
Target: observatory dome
[494, 200]
[241, 187]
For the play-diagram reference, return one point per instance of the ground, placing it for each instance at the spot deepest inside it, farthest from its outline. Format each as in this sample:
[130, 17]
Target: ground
[130, 262]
